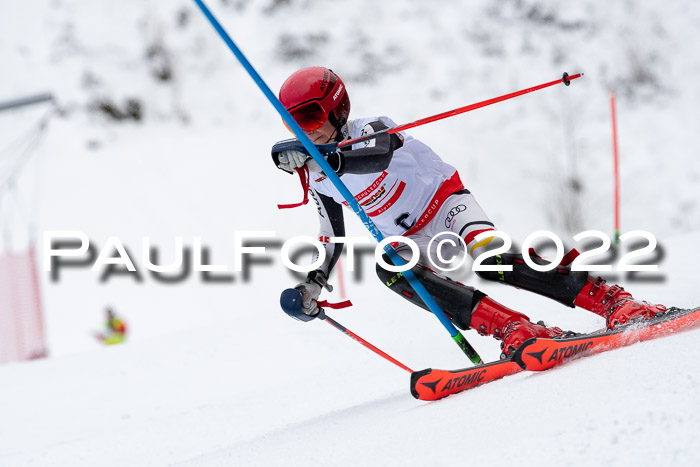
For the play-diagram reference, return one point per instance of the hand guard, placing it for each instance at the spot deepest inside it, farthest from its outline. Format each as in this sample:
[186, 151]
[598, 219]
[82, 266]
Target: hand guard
[331, 154]
[301, 301]
[291, 154]
[290, 160]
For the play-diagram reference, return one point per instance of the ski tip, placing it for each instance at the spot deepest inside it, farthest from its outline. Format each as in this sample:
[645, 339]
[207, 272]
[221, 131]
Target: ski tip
[415, 376]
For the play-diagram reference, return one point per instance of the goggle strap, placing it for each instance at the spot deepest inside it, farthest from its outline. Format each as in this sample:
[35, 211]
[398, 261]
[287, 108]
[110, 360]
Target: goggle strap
[325, 103]
[329, 98]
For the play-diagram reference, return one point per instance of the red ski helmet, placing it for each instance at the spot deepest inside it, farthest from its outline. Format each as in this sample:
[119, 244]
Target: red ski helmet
[314, 95]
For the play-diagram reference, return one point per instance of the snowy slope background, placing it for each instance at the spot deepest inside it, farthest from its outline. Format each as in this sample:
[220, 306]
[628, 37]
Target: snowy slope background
[214, 373]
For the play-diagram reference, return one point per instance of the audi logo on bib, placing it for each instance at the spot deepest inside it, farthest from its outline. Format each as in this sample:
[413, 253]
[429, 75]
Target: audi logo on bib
[453, 213]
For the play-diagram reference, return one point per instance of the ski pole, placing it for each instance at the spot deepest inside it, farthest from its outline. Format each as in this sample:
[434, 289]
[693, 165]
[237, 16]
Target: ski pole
[340, 186]
[566, 79]
[323, 316]
[291, 303]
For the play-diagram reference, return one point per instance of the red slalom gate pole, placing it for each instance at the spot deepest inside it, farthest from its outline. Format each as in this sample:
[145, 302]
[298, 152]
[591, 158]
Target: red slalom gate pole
[341, 279]
[565, 79]
[357, 338]
[616, 164]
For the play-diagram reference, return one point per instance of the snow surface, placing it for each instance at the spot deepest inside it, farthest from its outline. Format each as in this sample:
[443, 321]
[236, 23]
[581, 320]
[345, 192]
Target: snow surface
[214, 373]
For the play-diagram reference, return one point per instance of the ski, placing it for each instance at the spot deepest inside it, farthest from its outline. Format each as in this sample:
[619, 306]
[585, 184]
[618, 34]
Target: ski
[539, 354]
[430, 385]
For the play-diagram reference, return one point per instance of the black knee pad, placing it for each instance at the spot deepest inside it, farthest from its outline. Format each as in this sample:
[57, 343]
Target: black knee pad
[560, 284]
[455, 299]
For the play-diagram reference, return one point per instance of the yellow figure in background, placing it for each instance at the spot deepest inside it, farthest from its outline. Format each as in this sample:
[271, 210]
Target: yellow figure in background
[115, 330]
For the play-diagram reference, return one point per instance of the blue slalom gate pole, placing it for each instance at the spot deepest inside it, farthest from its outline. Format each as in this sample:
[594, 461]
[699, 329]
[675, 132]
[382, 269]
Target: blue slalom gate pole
[335, 179]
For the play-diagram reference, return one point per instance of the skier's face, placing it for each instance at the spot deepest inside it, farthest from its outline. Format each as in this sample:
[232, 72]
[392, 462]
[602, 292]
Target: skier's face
[324, 134]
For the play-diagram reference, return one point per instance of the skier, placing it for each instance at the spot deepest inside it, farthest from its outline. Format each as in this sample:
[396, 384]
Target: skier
[115, 330]
[408, 190]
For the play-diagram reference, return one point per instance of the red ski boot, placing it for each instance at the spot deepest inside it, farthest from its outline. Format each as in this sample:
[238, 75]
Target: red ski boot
[513, 328]
[613, 303]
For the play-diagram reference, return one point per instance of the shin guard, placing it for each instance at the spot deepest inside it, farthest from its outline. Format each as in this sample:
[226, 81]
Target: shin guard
[560, 284]
[455, 299]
